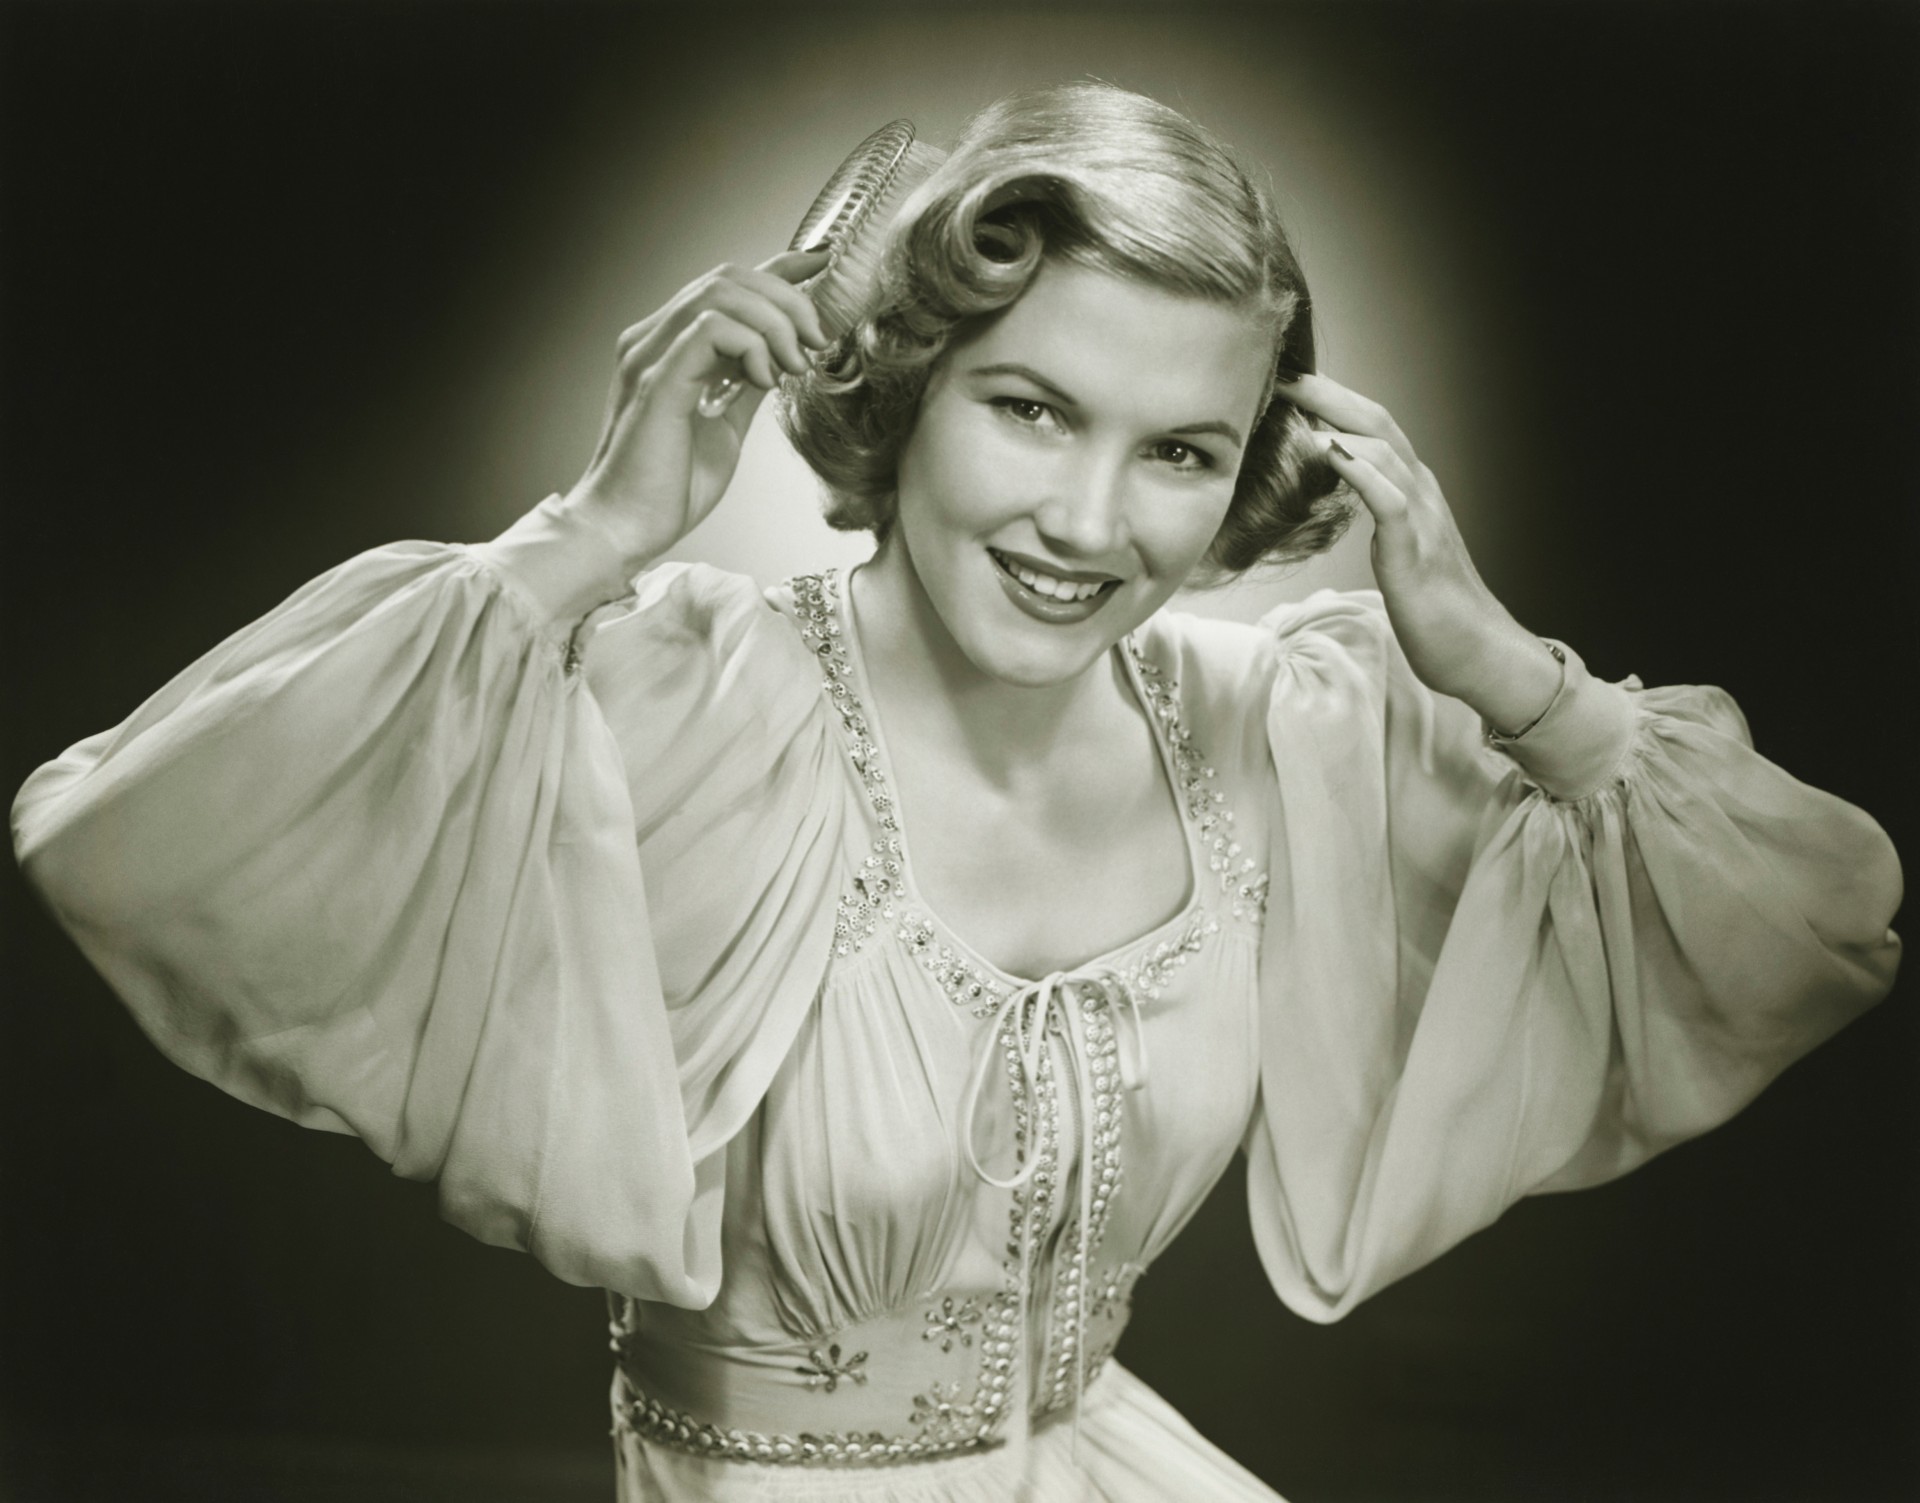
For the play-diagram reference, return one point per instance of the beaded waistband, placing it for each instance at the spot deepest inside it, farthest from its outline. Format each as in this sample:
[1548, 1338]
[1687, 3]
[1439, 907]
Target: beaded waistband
[916, 1385]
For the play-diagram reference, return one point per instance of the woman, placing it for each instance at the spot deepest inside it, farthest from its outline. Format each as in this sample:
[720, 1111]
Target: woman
[866, 980]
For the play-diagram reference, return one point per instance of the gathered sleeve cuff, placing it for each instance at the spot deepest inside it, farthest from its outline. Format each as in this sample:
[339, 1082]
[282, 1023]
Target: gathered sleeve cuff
[1492, 972]
[374, 864]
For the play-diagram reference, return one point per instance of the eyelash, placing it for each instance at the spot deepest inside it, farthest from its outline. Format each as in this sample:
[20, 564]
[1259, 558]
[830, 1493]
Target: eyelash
[1202, 460]
[1009, 404]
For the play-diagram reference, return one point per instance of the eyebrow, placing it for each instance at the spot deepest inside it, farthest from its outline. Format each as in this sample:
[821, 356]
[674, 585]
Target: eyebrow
[1028, 373]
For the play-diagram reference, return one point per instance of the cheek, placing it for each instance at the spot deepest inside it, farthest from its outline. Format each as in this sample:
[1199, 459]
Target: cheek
[1174, 532]
[956, 475]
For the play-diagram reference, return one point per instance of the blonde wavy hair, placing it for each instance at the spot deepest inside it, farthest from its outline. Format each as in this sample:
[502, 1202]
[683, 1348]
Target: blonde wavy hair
[1103, 178]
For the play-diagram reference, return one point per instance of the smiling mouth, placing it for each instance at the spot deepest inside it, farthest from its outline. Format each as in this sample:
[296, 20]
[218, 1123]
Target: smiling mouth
[1050, 586]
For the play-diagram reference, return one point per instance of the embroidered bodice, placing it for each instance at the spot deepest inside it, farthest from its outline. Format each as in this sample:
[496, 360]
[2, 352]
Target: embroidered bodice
[1060, 1129]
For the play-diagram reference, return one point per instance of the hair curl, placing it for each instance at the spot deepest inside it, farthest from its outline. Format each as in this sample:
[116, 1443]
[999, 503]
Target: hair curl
[1104, 178]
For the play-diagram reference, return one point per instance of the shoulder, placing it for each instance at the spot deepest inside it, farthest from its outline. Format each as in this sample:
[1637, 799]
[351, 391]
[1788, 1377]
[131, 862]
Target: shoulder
[1330, 655]
[1355, 620]
[1224, 666]
[1336, 652]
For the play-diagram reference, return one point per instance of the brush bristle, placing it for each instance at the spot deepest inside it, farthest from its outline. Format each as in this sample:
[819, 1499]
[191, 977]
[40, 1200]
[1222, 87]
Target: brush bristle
[842, 290]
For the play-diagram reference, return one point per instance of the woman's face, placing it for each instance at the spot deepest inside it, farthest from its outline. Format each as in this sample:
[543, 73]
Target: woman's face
[1070, 464]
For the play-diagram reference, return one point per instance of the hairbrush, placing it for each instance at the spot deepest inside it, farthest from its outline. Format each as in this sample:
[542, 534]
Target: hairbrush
[849, 220]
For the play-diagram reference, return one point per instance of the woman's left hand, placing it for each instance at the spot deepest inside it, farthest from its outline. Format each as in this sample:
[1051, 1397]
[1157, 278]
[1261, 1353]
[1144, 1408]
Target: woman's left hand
[1457, 637]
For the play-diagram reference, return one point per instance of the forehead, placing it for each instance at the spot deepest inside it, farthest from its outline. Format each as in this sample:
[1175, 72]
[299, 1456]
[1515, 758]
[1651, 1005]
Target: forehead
[1131, 348]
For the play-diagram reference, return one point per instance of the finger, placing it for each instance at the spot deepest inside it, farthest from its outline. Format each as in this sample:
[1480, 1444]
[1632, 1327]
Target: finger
[748, 346]
[746, 305]
[1383, 457]
[1347, 410]
[650, 339]
[713, 345]
[796, 266]
[788, 298]
[1385, 500]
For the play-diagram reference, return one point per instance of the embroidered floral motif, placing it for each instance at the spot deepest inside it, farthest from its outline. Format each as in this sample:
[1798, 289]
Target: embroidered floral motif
[827, 1369]
[942, 1416]
[951, 1322]
[965, 984]
[1148, 976]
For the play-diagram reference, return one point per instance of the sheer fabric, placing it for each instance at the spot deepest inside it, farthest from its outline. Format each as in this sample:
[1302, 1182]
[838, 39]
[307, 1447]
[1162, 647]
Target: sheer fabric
[601, 916]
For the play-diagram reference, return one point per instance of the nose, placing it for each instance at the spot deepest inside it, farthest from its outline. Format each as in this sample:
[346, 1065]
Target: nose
[1083, 511]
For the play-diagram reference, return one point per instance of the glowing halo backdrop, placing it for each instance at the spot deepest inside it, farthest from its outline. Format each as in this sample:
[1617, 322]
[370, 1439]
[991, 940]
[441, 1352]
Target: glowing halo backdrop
[720, 169]
[282, 282]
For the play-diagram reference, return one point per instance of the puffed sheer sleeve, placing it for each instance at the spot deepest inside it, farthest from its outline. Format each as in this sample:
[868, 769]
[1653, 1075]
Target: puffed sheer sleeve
[530, 905]
[1485, 975]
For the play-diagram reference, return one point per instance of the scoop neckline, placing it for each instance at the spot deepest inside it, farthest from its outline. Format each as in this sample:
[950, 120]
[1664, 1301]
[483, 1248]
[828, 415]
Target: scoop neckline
[1109, 960]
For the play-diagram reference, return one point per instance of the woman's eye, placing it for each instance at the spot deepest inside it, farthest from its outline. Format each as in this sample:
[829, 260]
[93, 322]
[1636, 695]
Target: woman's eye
[1022, 409]
[1183, 456]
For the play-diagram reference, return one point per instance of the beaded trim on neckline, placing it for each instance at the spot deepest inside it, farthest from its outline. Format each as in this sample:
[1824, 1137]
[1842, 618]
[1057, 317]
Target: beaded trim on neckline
[878, 891]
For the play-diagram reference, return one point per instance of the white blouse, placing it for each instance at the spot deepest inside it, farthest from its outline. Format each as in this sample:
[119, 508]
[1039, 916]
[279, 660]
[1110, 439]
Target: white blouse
[610, 927]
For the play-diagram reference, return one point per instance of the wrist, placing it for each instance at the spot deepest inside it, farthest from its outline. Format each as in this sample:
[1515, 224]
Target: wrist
[559, 558]
[632, 546]
[1515, 680]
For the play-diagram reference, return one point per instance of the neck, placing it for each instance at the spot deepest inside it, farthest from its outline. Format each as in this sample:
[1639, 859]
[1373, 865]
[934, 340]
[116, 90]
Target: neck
[919, 671]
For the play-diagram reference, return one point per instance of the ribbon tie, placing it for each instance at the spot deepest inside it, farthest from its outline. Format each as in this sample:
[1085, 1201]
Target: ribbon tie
[1067, 1004]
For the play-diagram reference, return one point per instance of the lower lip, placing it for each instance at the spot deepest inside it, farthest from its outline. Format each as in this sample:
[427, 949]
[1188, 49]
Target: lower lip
[1045, 607]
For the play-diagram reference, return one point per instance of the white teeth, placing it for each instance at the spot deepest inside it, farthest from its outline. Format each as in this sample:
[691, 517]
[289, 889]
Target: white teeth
[1046, 584]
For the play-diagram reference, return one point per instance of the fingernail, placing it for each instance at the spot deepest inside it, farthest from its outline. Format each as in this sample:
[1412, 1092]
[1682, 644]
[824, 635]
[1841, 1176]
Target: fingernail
[1339, 449]
[819, 247]
[1285, 376]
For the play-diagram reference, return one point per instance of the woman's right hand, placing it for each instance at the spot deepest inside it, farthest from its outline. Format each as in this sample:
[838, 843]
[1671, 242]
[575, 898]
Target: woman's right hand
[661, 466]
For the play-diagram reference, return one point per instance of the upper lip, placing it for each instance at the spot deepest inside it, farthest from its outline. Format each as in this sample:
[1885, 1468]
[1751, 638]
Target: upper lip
[1054, 571]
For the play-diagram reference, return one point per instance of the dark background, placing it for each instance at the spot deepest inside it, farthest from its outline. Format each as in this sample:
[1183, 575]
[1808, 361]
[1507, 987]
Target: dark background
[228, 234]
